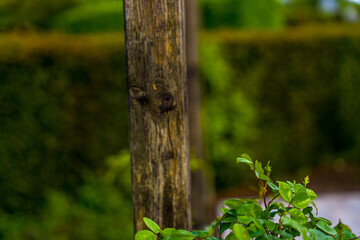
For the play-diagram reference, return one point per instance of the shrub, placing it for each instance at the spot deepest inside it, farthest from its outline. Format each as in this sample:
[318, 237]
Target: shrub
[290, 95]
[95, 16]
[63, 109]
[100, 209]
[289, 214]
[261, 14]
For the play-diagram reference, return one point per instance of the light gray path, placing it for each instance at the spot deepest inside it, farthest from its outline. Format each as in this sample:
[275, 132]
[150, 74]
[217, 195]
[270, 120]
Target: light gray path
[344, 205]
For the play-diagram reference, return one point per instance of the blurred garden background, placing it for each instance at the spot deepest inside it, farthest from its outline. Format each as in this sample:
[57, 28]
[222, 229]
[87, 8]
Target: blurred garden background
[280, 81]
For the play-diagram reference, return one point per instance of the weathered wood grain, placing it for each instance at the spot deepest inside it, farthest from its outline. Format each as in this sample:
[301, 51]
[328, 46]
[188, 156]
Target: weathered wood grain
[155, 44]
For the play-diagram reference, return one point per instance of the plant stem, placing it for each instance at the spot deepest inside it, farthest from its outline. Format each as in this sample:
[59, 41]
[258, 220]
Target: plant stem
[263, 188]
[264, 197]
[274, 199]
[287, 209]
[222, 218]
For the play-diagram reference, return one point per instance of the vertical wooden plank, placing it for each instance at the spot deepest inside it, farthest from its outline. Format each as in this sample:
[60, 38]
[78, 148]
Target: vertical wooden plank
[202, 193]
[156, 65]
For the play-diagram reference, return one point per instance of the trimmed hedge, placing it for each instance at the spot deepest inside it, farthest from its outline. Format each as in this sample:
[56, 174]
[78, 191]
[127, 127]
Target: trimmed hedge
[63, 109]
[291, 97]
[94, 16]
[245, 14]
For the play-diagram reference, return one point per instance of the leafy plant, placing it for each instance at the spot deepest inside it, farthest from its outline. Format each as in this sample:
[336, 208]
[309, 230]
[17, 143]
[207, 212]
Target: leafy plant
[289, 213]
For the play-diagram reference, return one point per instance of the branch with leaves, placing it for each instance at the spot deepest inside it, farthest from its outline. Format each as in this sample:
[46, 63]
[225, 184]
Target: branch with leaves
[247, 219]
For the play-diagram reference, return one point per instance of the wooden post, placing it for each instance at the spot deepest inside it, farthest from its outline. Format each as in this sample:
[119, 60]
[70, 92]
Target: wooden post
[156, 65]
[202, 193]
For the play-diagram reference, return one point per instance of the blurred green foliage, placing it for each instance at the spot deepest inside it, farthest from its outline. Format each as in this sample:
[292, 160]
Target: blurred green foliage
[302, 11]
[89, 16]
[260, 14]
[290, 97]
[92, 16]
[63, 109]
[31, 13]
[100, 209]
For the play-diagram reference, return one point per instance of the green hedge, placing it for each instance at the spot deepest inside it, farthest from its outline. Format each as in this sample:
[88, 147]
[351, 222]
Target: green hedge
[245, 14]
[63, 109]
[290, 97]
[100, 209]
[94, 16]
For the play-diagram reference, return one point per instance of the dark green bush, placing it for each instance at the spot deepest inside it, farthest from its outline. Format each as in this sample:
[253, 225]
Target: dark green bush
[94, 16]
[100, 209]
[36, 14]
[63, 109]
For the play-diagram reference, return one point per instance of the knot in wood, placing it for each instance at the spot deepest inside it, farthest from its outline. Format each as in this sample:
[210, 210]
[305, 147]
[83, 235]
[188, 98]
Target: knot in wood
[168, 155]
[167, 102]
[137, 93]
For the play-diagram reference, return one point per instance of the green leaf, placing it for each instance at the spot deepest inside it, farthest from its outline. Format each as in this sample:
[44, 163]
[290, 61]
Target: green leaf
[264, 177]
[167, 232]
[244, 209]
[270, 225]
[282, 206]
[224, 210]
[273, 206]
[273, 187]
[201, 234]
[307, 210]
[297, 187]
[298, 216]
[258, 224]
[311, 194]
[348, 235]
[231, 236]
[317, 210]
[258, 167]
[340, 227]
[152, 225]
[244, 219]
[229, 219]
[327, 221]
[254, 209]
[224, 227]
[246, 156]
[285, 191]
[234, 203]
[326, 228]
[301, 199]
[145, 235]
[268, 169]
[183, 233]
[290, 183]
[240, 232]
[319, 235]
[256, 233]
[246, 159]
[295, 225]
[285, 235]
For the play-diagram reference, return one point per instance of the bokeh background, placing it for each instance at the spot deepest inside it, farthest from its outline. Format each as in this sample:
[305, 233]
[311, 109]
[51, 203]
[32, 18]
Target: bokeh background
[280, 81]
